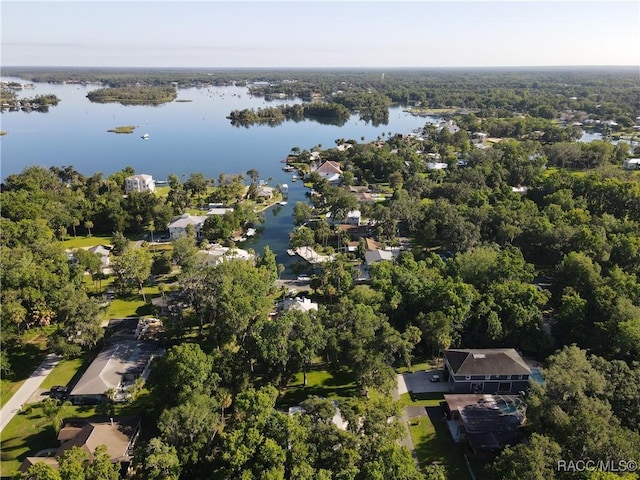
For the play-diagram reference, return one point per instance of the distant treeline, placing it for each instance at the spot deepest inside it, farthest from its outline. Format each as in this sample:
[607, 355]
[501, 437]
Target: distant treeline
[137, 95]
[541, 92]
[323, 112]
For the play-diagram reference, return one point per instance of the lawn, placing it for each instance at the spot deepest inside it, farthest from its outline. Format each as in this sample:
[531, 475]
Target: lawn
[433, 443]
[83, 241]
[320, 383]
[24, 360]
[64, 372]
[133, 305]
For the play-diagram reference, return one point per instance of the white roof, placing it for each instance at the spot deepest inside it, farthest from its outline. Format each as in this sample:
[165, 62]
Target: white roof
[373, 256]
[219, 254]
[302, 304]
[436, 165]
[185, 220]
[140, 176]
[219, 211]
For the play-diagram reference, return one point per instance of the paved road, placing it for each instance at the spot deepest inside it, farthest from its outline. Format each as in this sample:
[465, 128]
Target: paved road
[27, 389]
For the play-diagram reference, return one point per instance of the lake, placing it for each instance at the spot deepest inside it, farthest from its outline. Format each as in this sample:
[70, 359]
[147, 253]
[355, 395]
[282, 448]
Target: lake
[184, 138]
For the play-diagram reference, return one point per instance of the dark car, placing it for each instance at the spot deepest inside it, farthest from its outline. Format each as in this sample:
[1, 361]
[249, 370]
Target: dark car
[435, 377]
[59, 392]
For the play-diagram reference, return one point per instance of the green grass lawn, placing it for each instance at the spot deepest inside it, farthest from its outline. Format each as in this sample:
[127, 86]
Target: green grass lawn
[433, 443]
[133, 305]
[320, 383]
[24, 360]
[83, 241]
[63, 372]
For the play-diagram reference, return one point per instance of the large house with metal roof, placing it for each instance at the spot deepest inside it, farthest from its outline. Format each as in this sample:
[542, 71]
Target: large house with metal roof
[490, 370]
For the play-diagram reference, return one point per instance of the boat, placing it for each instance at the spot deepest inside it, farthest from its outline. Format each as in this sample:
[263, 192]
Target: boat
[294, 178]
[250, 232]
[145, 136]
[283, 203]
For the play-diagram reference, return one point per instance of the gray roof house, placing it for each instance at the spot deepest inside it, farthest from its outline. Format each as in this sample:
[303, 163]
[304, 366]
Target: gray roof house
[118, 434]
[178, 226]
[116, 367]
[491, 370]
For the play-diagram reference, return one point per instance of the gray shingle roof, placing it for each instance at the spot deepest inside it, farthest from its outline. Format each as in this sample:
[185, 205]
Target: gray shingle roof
[488, 361]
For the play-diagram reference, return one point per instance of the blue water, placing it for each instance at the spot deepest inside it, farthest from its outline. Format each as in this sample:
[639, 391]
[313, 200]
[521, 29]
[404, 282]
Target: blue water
[536, 376]
[183, 138]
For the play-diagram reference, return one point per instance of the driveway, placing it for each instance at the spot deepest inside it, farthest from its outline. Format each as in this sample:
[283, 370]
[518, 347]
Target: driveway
[27, 390]
[420, 382]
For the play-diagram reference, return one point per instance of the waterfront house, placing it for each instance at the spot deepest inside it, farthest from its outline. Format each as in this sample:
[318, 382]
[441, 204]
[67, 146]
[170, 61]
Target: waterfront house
[139, 183]
[331, 171]
[491, 370]
[178, 226]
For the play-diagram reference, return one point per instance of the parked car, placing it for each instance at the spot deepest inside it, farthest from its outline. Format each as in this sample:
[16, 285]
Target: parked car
[304, 278]
[435, 377]
[58, 392]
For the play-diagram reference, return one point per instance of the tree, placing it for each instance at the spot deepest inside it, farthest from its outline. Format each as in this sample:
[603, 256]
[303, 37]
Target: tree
[101, 466]
[537, 459]
[88, 225]
[191, 426]
[157, 461]
[39, 471]
[132, 269]
[184, 371]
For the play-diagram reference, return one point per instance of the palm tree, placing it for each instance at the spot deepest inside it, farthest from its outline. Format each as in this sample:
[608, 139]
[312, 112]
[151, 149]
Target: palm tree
[88, 225]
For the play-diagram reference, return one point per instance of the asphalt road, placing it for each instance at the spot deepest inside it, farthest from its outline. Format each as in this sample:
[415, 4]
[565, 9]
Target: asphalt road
[27, 389]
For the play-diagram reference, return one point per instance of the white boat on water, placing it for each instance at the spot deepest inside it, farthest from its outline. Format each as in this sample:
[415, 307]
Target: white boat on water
[294, 178]
[250, 232]
[145, 136]
[282, 203]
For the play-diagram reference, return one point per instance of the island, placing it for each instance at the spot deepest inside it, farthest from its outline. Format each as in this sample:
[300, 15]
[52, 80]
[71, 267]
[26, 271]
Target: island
[123, 129]
[134, 95]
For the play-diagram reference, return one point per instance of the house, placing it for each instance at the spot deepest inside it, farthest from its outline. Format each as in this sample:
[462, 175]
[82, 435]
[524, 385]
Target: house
[103, 251]
[178, 226]
[331, 171]
[493, 370]
[299, 303]
[632, 164]
[379, 255]
[353, 217]
[264, 192]
[486, 423]
[217, 254]
[118, 434]
[116, 368]
[139, 183]
[437, 166]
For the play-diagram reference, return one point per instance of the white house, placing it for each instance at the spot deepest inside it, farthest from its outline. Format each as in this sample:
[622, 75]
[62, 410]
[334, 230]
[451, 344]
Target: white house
[139, 183]
[217, 254]
[354, 217]
[331, 171]
[436, 165]
[104, 253]
[374, 256]
[178, 226]
[632, 164]
[298, 303]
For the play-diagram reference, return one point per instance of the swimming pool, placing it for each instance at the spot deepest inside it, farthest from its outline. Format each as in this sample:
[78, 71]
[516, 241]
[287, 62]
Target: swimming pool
[536, 376]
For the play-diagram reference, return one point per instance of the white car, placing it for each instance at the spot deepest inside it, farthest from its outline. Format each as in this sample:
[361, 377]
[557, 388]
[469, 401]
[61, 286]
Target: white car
[304, 278]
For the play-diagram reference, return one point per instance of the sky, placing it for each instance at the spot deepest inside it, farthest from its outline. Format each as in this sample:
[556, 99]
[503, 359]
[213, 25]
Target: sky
[319, 34]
